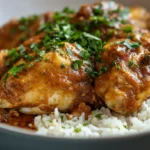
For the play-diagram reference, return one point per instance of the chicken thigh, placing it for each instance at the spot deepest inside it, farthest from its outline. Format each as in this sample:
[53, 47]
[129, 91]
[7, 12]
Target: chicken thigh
[125, 83]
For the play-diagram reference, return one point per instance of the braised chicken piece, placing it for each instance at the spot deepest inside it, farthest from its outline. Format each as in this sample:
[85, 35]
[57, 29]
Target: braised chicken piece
[107, 18]
[3, 66]
[140, 17]
[124, 82]
[47, 82]
[16, 31]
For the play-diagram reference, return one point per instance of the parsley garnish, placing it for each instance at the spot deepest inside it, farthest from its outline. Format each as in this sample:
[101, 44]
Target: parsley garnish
[92, 73]
[116, 64]
[68, 10]
[131, 64]
[76, 64]
[17, 69]
[77, 130]
[127, 29]
[98, 10]
[103, 70]
[70, 52]
[85, 124]
[85, 55]
[132, 45]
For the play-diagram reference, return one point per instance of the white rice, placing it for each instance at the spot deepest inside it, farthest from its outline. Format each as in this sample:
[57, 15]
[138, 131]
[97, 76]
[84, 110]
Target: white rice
[101, 122]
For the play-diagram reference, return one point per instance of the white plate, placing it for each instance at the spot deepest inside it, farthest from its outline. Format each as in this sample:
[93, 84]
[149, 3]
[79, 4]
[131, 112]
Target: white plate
[14, 138]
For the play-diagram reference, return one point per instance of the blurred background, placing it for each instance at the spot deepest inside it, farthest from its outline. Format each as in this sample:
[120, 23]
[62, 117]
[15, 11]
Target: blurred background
[17, 8]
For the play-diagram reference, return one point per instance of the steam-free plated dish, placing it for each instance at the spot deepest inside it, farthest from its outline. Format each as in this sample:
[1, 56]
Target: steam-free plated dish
[92, 65]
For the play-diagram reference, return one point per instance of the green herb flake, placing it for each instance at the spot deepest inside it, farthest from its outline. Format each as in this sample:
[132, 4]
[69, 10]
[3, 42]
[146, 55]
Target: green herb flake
[98, 10]
[13, 54]
[98, 116]
[103, 70]
[127, 29]
[17, 69]
[22, 50]
[97, 33]
[23, 20]
[92, 73]
[70, 52]
[91, 36]
[5, 76]
[76, 64]
[42, 53]
[77, 130]
[116, 64]
[68, 10]
[35, 47]
[132, 45]
[85, 124]
[131, 64]
[62, 118]
[85, 55]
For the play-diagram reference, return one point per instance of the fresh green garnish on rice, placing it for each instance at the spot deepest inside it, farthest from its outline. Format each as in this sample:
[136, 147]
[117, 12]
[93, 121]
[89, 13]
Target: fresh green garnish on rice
[77, 130]
[85, 124]
[98, 116]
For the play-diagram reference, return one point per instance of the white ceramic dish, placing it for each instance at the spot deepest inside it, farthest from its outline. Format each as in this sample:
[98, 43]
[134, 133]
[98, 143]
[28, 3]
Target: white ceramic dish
[15, 138]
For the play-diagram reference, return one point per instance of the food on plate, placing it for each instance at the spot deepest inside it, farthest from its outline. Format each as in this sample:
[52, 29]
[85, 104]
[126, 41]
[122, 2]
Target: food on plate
[126, 81]
[21, 29]
[86, 66]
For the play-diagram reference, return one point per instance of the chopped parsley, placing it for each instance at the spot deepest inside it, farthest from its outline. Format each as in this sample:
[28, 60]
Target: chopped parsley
[125, 126]
[17, 69]
[70, 52]
[76, 64]
[131, 64]
[85, 55]
[77, 130]
[98, 10]
[42, 53]
[127, 29]
[68, 10]
[35, 47]
[98, 116]
[85, 124]
[132, 45]
[103, 70]
[115, 63]
[22, 50]
[92, 73]
[13, 54]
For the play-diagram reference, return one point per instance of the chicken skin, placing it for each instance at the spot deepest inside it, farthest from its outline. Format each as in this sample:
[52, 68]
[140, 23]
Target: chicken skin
[125, 84]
